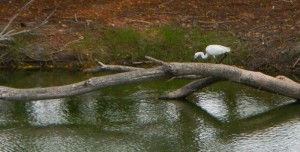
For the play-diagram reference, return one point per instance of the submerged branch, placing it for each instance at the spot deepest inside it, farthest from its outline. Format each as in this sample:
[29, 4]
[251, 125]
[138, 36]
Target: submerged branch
[190, 88]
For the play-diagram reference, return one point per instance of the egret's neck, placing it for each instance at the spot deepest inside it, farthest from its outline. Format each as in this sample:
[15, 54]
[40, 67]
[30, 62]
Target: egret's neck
[203, 56]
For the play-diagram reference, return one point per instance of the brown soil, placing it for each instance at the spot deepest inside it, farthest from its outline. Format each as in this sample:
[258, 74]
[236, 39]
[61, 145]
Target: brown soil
[270, 26]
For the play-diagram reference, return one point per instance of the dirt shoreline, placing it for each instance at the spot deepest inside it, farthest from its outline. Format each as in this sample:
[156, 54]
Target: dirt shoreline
[271, 27]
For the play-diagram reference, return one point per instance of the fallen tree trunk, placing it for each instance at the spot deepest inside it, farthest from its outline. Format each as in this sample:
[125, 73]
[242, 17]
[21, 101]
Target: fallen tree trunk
[82, 87]
[279, 85]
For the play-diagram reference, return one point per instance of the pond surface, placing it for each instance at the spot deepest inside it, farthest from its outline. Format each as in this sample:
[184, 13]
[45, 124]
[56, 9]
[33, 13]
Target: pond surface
[223, 117]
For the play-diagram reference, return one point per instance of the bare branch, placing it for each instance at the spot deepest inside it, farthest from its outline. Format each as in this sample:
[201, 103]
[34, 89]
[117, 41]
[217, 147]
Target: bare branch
[36, 27]
[295, 64]
[15, 16]
[75, 16]
[139, 21]
[142, 62]
[165, 3]
[104, 67]
[155, 60]
[8, 35]
[100, 63]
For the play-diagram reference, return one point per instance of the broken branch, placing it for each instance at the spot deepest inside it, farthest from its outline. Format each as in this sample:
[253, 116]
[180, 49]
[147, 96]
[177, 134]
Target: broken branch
[104, 67]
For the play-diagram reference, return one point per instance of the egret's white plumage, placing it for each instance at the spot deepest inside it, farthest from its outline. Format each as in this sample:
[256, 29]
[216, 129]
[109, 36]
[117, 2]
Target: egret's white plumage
[212, 50]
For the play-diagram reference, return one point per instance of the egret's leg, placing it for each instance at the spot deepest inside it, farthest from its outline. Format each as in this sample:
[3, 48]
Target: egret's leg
[215, 59]
[225, 55]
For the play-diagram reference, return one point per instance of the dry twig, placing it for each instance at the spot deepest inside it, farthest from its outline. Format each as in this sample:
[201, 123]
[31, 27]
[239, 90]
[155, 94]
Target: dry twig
[294, 65]
[67, 44]
[155, 60]
[8, 35]
[165, 3]
[139, 21]
[104, 67]
[13, 18]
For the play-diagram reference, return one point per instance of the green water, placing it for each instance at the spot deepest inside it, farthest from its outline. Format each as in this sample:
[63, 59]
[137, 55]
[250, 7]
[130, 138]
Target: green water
[228, 117]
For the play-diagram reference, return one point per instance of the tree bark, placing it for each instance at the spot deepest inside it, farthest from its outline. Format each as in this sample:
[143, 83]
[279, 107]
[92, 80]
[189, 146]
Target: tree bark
[279, 85]
[190, 88]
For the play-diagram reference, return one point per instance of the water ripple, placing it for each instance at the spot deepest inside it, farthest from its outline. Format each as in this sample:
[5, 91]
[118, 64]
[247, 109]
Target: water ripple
[47, 112]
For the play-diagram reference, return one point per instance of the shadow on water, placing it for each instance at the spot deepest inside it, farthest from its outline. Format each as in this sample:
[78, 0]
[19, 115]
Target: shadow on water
[272, 117]
[235, 103]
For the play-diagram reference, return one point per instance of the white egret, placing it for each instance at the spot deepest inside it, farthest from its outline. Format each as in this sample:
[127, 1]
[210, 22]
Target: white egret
[212, 50]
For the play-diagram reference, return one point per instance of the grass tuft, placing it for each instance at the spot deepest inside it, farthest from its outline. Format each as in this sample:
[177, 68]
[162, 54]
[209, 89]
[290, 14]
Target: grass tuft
[11, 51]
[122, 43]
